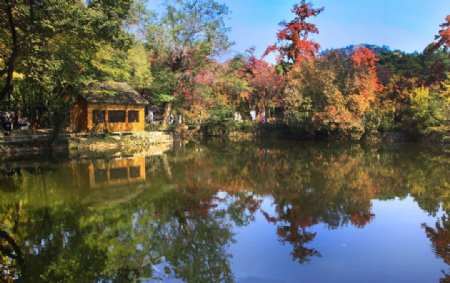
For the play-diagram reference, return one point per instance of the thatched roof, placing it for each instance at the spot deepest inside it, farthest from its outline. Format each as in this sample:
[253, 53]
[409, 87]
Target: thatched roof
[113, 93]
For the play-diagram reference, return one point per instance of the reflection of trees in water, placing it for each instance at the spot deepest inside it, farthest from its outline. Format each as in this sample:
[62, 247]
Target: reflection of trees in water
[182, 221]
[187, 228]
[319, 183]
[11, 260]
[308, 186]
[293, 230]
[440, 239]
[54, 247]
[192, 235]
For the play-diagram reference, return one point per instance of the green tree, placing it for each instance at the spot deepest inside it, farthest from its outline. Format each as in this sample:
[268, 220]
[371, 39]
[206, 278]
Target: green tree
[429, 110]
[52, 45]
[40, 38]
[182, 39]
[132, 66]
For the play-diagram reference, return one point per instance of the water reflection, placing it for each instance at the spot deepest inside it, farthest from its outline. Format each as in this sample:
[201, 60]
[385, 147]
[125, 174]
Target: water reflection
[175, 216]
[440, 239]
[114, 172]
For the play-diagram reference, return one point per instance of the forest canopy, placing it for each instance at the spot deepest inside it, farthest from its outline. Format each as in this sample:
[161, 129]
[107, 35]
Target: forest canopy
[50, 50]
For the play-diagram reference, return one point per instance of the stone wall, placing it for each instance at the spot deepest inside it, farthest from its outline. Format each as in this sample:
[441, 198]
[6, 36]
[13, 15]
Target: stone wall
[136, 142]
[38, 143]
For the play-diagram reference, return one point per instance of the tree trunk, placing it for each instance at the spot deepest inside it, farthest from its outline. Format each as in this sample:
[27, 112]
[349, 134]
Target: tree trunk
[10, 63]
[14, 251]
[166, 116]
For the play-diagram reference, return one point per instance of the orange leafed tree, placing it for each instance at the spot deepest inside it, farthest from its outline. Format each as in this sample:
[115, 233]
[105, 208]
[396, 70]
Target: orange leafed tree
[293, 39]
[443, 38]
[366, 83]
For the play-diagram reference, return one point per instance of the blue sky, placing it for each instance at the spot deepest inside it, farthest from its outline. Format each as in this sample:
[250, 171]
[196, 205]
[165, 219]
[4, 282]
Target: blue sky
[408, 25]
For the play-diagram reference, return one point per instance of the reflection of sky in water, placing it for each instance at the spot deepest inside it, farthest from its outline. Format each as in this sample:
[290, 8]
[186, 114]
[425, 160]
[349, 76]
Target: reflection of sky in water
[392, 248]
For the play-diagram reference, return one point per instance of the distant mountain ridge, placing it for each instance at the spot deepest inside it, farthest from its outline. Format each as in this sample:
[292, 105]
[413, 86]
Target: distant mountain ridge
[349, 50]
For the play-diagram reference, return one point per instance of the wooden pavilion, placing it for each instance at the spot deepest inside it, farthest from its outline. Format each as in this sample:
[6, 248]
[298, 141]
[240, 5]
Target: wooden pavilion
[108, 106]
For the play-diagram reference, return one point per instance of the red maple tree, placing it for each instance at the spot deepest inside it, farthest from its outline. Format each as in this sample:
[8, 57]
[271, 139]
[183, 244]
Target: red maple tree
[443, 38]
[293, 39]
[266, 83]
[366, 79]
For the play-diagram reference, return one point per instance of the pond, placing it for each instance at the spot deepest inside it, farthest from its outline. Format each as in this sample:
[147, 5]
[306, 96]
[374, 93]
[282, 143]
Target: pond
[274, 211]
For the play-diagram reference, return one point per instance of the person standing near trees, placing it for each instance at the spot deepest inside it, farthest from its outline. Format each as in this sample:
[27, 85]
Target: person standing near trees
[7, 124]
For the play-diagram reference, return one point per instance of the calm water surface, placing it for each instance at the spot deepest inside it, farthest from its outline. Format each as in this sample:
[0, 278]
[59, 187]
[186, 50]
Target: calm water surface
[230, 212]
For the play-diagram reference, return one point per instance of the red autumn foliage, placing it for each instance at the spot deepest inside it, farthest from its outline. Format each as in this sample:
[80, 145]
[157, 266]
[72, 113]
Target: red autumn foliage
[364, 62]
[366, 79]
[440, 238]
[364, 57]
[205, 77]
[361, 219]
[443, 38]
[293, 39]
[266, 83]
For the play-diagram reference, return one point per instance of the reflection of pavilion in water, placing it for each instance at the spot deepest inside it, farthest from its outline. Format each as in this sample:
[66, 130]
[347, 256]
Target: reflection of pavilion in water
[107, 173]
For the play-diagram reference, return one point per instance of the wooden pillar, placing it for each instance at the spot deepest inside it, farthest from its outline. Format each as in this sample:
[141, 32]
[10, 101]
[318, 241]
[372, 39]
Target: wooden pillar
[106, 117]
